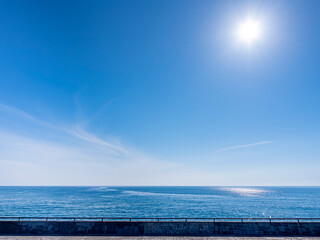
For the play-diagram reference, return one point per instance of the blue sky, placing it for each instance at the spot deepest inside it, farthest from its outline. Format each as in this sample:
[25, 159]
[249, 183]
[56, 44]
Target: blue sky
[159, 93]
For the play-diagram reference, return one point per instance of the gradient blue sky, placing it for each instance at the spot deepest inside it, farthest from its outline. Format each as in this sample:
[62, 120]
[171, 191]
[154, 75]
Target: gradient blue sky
[139, 92]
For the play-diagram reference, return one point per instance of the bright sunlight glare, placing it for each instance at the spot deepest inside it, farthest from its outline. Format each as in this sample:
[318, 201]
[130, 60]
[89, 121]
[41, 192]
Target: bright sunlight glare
[249, 31]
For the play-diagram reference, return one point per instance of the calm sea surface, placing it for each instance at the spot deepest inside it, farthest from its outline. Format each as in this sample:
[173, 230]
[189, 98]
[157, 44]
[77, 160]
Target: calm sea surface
[160, 201]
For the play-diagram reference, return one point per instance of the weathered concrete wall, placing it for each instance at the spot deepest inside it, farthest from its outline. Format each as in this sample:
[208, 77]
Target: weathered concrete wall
[160, 228]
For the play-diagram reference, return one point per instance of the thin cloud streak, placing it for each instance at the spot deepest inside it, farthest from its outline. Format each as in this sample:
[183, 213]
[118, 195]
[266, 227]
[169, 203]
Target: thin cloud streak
[81, 134]
[76, 131]
[24, 115]
[243, 146]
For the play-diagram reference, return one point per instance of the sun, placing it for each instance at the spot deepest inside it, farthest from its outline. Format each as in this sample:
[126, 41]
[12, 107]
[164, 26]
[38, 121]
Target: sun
[249, 31]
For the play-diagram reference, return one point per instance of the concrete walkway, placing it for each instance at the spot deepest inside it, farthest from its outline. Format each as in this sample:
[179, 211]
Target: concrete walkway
[151, 238]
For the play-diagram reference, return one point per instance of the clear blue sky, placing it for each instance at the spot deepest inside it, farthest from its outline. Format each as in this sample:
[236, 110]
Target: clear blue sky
[160, 92]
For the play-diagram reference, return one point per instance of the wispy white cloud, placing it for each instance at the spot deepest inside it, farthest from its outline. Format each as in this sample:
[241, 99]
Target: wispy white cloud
[80, 133]
[24, 115]
[77, 130]
[78, 157]
[29, 161]
[243, 146]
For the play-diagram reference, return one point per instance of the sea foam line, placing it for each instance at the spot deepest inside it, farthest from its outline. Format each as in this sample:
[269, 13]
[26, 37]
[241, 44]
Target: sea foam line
[139, 193]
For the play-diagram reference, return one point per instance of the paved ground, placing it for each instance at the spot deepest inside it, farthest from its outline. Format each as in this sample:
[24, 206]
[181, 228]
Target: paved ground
[154, 238]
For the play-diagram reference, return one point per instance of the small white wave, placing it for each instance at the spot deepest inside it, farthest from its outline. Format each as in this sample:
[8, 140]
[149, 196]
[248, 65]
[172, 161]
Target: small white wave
[248, 192]
[145, 193]
[138, 193]
[103, 189]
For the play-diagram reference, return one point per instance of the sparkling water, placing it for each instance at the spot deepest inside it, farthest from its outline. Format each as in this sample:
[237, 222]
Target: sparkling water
[160, 201]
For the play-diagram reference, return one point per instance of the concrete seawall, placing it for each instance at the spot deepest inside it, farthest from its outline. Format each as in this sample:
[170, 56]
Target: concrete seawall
[69, 228]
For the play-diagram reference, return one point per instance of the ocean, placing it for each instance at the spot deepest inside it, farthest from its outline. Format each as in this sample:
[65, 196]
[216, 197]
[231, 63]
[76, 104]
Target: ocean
[160, 202]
